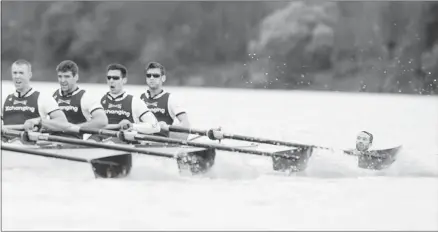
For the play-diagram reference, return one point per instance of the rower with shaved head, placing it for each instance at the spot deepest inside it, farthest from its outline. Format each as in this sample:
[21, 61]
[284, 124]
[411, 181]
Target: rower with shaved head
[29, 107]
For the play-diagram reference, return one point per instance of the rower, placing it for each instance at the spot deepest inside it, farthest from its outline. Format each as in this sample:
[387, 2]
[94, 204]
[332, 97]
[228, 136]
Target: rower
[121, 108]
[169, 111]
[27, 106]
[372, 159]
[81, 107]
[163, 105]
[364, 141]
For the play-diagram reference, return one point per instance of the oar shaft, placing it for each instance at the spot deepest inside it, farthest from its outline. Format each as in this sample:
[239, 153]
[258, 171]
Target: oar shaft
[187, 130]
[240, 137]
[54, 138]
[203, 145]
[41, 153]
[181, 142]
[261, 140]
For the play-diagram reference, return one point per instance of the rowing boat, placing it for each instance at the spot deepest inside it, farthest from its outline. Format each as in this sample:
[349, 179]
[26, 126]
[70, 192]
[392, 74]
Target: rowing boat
[110, 160]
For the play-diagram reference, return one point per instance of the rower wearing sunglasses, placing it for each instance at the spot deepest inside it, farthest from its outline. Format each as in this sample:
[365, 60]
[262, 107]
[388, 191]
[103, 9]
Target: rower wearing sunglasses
[79, 105]
[122, 108]
[164, 105]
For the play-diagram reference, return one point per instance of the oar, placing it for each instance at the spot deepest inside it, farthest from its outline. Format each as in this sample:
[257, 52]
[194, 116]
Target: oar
[159, 139]
[20, 127]
[243, 138]
[13, 127]
[50, 155]
[117, 127]
[34, 136]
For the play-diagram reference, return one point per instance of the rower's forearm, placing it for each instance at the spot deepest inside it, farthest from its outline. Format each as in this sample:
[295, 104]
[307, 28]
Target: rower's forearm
[180, 135]
[55, 124]
[95, 123]
[146, 128]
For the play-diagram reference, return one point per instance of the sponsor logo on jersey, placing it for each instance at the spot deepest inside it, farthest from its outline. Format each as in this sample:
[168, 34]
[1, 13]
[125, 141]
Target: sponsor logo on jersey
[118, 112]
[156, 109]
[119, 106]
[64, 101]
[69, 108]
[23, 102]
[20, 108]
[152, 104]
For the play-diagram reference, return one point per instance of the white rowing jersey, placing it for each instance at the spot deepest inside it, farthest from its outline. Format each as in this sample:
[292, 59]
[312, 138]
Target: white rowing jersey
[126, 106]
[164, 106]
[78, 106]
[17, 109]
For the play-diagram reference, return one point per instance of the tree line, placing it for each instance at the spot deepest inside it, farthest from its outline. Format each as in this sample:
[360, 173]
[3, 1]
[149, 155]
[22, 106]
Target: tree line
[352, 46]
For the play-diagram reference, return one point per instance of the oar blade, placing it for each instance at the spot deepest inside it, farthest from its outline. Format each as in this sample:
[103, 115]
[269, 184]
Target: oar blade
[196, 162]
[121, 167]
[379, 159]
[295, 161]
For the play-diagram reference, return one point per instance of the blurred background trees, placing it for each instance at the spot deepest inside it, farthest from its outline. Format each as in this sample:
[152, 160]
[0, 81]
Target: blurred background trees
[343, 46]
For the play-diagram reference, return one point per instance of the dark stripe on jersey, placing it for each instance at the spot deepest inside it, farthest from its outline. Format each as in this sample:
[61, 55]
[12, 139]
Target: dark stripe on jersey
[144, 114]
[96, 109]
[180, 114]
[52, 111]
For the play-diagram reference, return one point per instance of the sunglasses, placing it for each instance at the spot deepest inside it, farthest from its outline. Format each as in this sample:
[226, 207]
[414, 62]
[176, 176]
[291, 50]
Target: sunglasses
[153, 75]
[113, 77]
